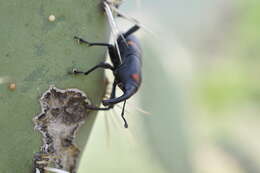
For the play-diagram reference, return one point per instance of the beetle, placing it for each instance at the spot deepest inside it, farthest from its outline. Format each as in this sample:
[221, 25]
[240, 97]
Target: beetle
[126, 67]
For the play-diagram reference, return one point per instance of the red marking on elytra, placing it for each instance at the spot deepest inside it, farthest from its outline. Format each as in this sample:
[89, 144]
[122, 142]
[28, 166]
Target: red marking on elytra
[131, 43]
[136, 77]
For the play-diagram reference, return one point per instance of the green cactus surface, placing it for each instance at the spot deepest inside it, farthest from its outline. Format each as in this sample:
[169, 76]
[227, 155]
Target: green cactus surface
[37, 51]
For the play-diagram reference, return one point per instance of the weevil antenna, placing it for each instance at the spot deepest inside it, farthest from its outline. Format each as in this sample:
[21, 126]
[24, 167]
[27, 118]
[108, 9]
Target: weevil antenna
[122, 115]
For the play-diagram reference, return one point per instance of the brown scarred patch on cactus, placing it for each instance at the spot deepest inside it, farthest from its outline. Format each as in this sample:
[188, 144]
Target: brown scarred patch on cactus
[63, 112]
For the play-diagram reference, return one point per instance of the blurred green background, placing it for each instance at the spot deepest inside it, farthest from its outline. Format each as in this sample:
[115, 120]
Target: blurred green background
[200, 86]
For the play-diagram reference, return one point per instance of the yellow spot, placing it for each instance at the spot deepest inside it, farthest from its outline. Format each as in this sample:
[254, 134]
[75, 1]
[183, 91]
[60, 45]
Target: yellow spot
[51, 18]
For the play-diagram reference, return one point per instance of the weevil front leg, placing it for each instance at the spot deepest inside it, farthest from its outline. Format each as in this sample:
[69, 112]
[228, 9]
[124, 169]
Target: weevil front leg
[100, 65]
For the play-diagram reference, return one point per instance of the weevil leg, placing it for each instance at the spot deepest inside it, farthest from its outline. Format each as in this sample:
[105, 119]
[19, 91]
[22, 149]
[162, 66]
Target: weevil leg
[100, 65]
[131, 30]
[113, 93]
[80, 41]
[122, 115]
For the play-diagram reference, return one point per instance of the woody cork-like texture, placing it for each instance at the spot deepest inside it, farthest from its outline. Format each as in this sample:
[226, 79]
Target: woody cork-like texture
[63, 113]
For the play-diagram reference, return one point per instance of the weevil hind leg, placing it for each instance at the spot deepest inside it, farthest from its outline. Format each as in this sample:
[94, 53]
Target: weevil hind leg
[122, 115]
[127, 131]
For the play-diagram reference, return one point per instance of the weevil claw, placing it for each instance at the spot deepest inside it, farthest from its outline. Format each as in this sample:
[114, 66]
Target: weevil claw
[75, 71]
[80, 41]
[77, 39]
